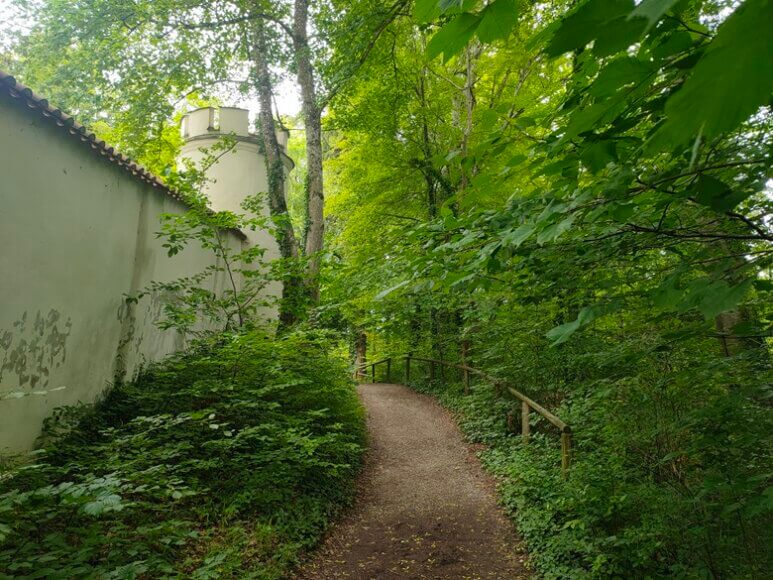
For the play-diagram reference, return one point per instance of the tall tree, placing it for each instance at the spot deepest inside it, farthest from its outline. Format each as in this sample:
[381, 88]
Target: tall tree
[285, 235]
[603, 229]
[312, 122]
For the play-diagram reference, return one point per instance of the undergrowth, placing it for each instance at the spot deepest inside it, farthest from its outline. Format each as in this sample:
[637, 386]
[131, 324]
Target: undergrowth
[614, 517]
[225, 461]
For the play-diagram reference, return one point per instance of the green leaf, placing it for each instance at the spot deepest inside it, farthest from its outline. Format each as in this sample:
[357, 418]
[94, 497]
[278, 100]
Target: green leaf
[587, 118]
[104, 503]
[425, 11]
[598, 155]
[453, 37]
[709, 297]
[618, 35]
[720, 297]
[498, 20]
[668, 294]
[554, 231]
[652, 10]
[618, 74]
[384, 293]
[584, 24]
[516, 160]
[717, 194]
[674, 43]
[518, 236]
[562, 333]
[622, 212]
[446, 5]
[763, 285]
[728, 84]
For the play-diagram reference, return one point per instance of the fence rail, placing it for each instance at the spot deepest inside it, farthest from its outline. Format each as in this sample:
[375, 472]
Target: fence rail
[358, 370]
[527, 404]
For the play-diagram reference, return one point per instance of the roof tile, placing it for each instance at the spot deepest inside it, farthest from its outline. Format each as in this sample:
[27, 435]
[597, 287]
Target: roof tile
[61, 119]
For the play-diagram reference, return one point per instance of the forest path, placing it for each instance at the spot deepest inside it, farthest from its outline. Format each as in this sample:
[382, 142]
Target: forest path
[426, 508]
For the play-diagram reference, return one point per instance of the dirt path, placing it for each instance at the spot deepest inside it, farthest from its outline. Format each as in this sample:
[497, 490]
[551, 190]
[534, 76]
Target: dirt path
[426, 509]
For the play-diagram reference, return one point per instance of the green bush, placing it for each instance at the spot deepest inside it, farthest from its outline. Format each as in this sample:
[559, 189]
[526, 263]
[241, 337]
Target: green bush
[224, 461]
[681, 495]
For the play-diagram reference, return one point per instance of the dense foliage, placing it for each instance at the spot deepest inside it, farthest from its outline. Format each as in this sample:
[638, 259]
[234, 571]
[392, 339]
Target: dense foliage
[645, 496]
[223, 461]
[572, 196]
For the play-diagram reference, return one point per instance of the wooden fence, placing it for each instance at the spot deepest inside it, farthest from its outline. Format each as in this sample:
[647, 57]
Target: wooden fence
[527, 405]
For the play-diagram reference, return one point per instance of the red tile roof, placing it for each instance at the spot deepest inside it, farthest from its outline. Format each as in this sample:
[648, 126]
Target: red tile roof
[9, 85]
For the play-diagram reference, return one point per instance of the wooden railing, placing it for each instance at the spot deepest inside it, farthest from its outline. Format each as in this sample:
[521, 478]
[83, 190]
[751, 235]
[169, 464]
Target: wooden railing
[527, 404]
[388, 361]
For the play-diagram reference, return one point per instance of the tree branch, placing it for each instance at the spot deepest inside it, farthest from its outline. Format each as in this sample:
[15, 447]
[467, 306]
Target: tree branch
[237, 20]
[392, 14]
[697, 235]
[749, 223]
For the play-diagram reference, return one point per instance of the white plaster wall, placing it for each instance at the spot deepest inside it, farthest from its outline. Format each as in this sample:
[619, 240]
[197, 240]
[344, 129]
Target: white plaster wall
[236, 175]
[76, 234]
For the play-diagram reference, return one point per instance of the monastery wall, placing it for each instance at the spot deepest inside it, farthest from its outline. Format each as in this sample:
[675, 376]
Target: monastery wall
[77, 234]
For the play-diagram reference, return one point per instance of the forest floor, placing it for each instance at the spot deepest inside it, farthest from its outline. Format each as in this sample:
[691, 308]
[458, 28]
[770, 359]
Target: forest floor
[426, 508]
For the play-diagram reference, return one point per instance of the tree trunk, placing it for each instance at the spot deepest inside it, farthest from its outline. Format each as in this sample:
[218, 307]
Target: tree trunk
[285, 237]
[360, 347]
[312, 119]
[726, 322]
[425, 165]
[472, 54]
[733, 345]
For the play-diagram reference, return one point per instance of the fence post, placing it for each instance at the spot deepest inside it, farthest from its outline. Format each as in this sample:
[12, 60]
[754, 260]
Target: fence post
[566, 450]
[407, 369]
[465, 350]
[511, 425]
[431, 371]
[389, 370]
[373, 371]
[525, 427]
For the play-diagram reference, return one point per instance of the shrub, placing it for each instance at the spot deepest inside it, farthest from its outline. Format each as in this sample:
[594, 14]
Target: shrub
[682, 495]
[226, 460]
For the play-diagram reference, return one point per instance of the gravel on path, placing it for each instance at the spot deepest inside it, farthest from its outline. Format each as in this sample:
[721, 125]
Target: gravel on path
[426, 508]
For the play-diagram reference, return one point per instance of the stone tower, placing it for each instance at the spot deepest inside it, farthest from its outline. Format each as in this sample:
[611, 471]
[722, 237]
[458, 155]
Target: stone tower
[237, 174]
